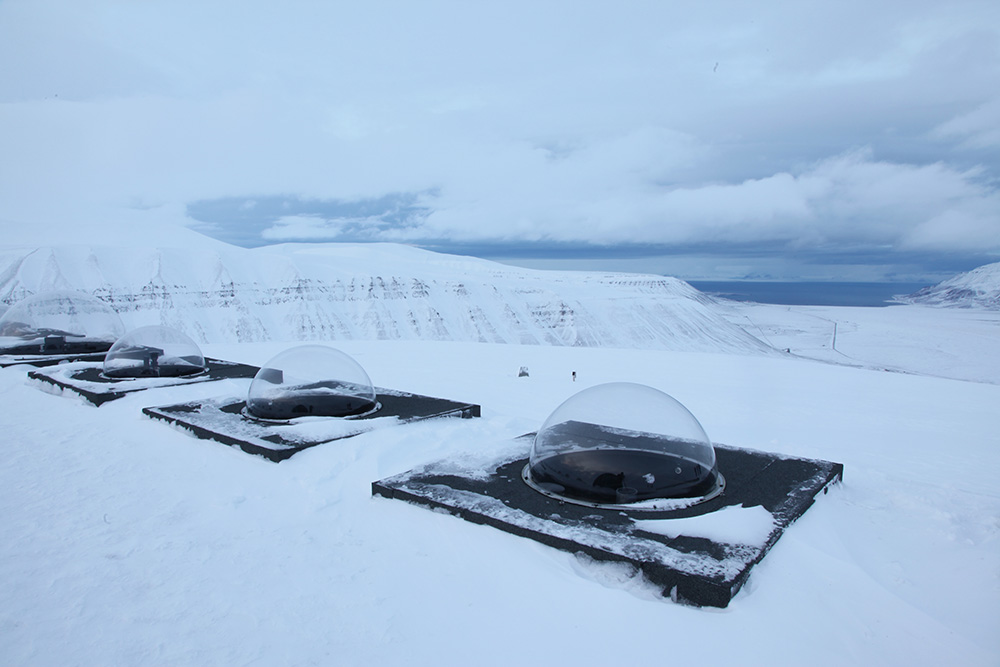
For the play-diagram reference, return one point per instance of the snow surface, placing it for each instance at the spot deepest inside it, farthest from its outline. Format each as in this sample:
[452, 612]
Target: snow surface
[960, 344]
[126, 541]
[730, 525]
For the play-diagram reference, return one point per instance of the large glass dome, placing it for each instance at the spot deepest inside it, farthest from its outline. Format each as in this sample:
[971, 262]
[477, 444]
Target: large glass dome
[622, 443]
[59, 323]
[154, 351]
[311, 380]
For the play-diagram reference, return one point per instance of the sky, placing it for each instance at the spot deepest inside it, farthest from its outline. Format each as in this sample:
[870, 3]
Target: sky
[710, 140]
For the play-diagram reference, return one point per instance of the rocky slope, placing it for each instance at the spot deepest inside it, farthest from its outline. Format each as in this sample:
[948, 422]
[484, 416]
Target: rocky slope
[221, 293]
[977, 288]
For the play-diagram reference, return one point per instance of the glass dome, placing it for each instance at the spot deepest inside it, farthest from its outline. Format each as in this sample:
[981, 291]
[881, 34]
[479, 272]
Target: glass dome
[154, 351]
[621, 443]
[59, 323]
[311, 380]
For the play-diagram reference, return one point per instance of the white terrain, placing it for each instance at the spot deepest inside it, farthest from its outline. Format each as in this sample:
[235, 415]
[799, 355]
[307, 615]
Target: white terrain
[219, 293]
[979, 287]
[125, 541]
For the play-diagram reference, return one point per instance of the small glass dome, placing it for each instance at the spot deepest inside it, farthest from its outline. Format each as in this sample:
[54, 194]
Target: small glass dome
[154, 351]
[59, 323]
[311, 380]
[621, 443]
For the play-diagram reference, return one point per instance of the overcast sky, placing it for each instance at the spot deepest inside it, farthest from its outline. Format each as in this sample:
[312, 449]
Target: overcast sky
[704, 139]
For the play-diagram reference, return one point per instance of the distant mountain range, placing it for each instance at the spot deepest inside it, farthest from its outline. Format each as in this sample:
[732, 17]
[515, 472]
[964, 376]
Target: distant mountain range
[977, 288]
[326, 292]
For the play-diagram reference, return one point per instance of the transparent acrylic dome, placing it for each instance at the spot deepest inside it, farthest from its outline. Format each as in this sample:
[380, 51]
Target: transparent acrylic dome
[59, 323]
[154, 351]
[311, 380]
[621, 443]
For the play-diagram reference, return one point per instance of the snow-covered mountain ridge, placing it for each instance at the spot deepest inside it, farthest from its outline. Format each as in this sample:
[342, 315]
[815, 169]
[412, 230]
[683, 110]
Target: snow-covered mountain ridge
[220, 293]
[979, 287]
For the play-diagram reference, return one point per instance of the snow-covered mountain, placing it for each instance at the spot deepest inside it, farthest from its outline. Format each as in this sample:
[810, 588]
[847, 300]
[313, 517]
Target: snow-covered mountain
[220, 293]
[977, 288]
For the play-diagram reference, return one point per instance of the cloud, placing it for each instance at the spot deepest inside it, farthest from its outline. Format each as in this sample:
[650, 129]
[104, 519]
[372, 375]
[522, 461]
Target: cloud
[643, 123]
[978, 128]
[299, 227]
[316, 228]
[849, 199]
[615, 195]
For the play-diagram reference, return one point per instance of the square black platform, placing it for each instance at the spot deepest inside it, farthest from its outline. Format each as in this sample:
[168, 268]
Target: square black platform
[223, 420]
[689, 563]
[53, 349]
[44, 360]
[87, 380]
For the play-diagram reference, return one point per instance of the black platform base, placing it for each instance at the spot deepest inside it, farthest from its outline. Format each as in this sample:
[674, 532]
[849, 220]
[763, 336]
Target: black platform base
[686, 553]
[87, 380]
[224, 421]
[45, 360]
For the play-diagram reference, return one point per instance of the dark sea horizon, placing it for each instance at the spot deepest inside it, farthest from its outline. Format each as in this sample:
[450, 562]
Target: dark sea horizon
[807, 293]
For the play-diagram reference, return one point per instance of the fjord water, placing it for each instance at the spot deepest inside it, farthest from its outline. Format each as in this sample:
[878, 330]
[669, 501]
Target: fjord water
[807, 293]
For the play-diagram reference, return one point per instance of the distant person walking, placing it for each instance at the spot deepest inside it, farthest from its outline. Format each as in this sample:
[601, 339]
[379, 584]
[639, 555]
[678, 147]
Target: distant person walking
[574, 376]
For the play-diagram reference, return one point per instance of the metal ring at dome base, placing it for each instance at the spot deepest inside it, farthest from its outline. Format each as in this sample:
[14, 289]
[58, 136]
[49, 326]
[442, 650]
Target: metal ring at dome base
[122, 378]
[654, 505]
[246, 414]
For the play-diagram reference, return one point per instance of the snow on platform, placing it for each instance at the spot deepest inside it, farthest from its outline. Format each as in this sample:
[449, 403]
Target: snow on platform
[674, 555]
[88, 381]
[225, 420]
